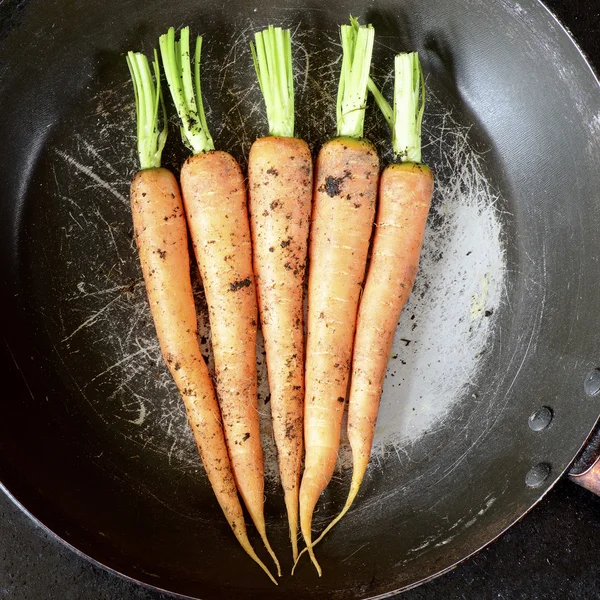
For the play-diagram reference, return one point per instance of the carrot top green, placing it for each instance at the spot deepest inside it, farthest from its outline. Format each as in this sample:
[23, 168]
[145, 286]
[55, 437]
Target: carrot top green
[272, 55]
[357, 49]
[148, 95]
[185, 91]
[406, 117]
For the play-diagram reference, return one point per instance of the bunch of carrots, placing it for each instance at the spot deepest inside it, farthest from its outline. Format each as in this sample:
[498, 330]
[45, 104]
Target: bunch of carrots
[252, 246]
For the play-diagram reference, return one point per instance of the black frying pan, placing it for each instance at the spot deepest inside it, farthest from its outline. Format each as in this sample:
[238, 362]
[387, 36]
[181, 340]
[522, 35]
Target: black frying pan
[93, 440]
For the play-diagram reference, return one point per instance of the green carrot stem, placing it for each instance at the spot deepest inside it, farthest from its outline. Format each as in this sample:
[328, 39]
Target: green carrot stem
[185, 91]
[405, 120]
[382, 103]
[272, 56]
[357, 49]
[409, 105]
[148, 96]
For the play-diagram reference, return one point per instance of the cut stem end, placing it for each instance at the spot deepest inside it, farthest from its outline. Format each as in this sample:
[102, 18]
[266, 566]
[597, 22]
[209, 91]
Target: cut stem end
[148, 97]
[272, 56]
[405, 119]
[186, 93]
[357, 50]
[409, 105]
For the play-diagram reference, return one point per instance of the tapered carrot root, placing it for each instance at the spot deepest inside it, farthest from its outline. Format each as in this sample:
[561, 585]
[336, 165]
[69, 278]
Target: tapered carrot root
[345, 191]
[404, 202]
[161, 236]
[214, 195]
[280, 191]
[280, 187]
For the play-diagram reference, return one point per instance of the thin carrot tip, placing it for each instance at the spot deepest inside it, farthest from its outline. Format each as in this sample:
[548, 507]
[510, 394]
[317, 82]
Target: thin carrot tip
[298, 560]
[259, 562]
[315, 562]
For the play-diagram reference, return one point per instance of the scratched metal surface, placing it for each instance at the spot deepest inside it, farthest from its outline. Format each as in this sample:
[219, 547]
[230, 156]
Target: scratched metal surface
[93, 439]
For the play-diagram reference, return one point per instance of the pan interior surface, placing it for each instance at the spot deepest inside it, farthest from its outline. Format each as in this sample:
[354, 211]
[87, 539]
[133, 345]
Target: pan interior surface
[93, 436]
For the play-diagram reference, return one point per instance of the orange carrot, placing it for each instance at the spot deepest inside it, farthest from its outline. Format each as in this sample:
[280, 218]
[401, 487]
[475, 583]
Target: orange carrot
[214, 196]
[405, 192]
[280, 193]
[161, 236]
[344, 208]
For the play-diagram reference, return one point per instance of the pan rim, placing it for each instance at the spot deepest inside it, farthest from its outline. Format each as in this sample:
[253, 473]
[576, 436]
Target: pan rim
[459, 562]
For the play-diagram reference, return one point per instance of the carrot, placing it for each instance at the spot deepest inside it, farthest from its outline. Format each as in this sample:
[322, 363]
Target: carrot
[214, 197]
[405, 191]
[161, 237]
[280, 196]
[345, 192]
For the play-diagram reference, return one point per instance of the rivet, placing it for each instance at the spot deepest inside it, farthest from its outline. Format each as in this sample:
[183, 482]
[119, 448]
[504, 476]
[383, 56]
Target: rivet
[591, 385]
[541, 418]
[537, 475]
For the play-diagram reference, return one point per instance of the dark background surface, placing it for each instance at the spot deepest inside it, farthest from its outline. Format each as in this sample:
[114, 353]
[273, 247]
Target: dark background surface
[552, 553]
